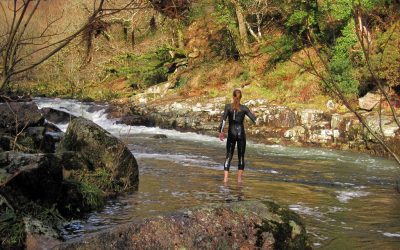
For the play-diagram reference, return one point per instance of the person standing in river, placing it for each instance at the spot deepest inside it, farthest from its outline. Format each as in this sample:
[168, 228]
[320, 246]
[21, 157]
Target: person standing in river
[236, 134]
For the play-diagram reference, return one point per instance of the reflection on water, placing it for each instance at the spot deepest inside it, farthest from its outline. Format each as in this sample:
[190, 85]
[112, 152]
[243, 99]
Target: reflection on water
[347, 200]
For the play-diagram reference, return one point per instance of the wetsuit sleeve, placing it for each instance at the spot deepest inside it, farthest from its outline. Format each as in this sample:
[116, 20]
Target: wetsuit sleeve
[251, 115]
[223, 119]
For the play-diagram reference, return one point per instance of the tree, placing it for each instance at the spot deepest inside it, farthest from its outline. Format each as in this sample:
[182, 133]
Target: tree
[22, 48]
[241, 20]
[361, 38]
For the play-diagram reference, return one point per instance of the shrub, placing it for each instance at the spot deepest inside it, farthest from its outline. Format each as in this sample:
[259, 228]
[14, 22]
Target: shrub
[341, 65]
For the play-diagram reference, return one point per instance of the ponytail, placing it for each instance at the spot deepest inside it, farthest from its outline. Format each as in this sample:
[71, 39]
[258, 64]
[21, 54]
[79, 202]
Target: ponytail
[237, 95]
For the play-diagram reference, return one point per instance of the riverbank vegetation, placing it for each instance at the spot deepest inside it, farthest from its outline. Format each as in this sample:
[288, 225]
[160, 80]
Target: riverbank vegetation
[269, 47]
[297, 54]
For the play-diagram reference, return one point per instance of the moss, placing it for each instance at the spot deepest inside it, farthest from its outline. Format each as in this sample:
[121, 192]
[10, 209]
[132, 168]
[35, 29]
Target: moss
[13, 225]
[290, 226]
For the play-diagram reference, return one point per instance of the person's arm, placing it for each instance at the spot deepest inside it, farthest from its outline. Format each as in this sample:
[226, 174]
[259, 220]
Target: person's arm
[252, 117]
[222, 124]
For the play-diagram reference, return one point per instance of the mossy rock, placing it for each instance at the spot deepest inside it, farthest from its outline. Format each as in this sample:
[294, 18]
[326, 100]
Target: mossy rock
[100, 149]
[241, 225]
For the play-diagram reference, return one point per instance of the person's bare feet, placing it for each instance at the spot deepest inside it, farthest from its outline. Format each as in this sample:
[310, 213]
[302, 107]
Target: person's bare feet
[239, 176]
[226, 173]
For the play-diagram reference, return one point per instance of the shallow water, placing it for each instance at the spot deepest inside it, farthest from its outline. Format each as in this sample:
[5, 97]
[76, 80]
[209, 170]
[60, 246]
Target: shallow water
[347, 199]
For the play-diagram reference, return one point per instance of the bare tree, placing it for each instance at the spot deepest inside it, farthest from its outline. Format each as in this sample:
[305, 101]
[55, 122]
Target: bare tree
[22, 51]
[258, 9]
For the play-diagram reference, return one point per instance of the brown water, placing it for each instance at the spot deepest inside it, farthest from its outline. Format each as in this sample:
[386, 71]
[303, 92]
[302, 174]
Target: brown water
[347, 200]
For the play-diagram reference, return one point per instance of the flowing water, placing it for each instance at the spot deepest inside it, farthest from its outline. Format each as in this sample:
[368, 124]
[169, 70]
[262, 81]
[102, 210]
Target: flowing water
[347, 199]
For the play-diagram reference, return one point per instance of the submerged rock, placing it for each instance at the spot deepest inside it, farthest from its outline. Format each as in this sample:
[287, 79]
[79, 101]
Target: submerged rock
[242, 225]
[159, 136]
[100, 149]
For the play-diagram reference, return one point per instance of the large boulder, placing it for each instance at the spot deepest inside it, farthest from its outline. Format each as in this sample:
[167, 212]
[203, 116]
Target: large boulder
[30, 177]
[242, 225]
[100, 149]
[19, 115]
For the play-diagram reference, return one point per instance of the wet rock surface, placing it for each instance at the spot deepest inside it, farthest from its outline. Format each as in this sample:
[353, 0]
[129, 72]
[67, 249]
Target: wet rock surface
[136, 120]
[241, 225]
[57, 116]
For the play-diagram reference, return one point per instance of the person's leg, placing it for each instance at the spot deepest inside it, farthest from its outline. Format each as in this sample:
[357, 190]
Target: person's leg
[241, 150]
[230, 148]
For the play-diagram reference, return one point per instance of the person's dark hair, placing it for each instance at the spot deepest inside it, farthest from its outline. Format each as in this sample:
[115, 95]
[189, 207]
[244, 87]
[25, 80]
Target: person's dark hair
[237, 95]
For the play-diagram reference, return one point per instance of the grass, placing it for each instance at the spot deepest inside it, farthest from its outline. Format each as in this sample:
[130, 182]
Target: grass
[93, 197]
[95, 186]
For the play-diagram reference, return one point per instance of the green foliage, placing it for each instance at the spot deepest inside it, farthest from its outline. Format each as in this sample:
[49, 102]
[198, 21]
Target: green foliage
[341, 65]
[336, 10]
[225, 15]
[195, 13]
[181, 82]
[144, 70]
[95, 186]
[324, 20]
[226, 45]
[92, 196]
[281, 48]
[245, 75]
[297, 18]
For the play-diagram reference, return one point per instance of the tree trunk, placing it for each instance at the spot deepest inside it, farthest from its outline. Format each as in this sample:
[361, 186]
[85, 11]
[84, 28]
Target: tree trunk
[242, 27]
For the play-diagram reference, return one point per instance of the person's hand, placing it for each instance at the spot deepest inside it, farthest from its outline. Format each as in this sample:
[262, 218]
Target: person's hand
[221, 136]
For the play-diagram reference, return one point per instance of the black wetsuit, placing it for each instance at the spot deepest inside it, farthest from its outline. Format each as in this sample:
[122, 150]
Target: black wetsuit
[236, 133]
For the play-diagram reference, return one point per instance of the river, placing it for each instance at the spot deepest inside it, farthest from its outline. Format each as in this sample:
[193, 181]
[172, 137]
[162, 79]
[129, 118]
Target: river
[347, 200]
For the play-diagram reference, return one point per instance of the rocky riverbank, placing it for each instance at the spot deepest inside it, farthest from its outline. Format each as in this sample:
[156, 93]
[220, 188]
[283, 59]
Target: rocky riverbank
[275, 124]
[48, 177]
